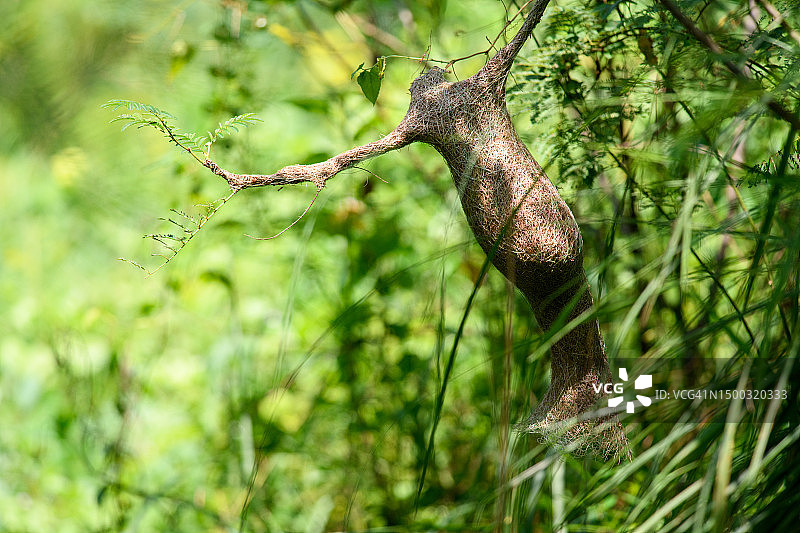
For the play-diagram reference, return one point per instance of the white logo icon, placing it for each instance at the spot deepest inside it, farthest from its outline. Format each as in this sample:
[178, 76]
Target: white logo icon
[645, 381]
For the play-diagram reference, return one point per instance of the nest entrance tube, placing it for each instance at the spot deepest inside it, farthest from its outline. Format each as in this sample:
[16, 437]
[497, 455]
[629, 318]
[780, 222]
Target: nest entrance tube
[517, 217]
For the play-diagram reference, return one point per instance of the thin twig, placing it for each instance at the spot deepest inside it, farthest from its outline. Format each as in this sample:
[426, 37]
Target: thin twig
[176, 141]
[371, 172]
[779, 18]
[491, 43]
[190, 235]
[706, 40]
[287, 228]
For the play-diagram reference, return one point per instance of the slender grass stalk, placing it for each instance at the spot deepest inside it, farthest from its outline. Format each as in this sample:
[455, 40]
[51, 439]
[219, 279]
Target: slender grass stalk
[559, 497]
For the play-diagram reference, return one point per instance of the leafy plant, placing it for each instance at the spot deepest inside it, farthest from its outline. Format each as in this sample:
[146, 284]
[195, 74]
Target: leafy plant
[148, 116]
[370, 79]
[295, 387]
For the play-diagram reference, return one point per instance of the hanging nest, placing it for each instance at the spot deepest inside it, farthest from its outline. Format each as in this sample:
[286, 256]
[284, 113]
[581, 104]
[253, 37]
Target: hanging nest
[520, 221]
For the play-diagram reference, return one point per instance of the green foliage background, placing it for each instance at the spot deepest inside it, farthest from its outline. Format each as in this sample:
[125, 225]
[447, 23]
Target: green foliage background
[290, 385]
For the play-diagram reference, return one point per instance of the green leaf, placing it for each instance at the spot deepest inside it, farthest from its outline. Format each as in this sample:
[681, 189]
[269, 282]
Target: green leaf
[357, 70]
[370, 80]
[136, 106]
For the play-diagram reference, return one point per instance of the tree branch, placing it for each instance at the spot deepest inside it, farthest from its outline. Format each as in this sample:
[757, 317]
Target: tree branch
[706, 40]
[503, 59]
[496, 69]
[317, 173]
[779, 19]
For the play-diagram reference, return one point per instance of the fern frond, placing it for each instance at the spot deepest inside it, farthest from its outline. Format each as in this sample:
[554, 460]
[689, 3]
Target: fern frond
[171, 243]
[143, 115]
[184, 215]
[139, 121]
[146, 115]
[231, 125]
[136, 106]
[760, 172]
[130, 105]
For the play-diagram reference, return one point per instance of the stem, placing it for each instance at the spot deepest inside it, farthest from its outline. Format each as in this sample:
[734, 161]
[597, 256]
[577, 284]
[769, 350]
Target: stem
[503, 59]
[559, 516]
[317, 173]
[706, 40]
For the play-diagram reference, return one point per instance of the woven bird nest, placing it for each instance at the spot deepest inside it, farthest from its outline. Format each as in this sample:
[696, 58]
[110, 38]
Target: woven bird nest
[517, 217]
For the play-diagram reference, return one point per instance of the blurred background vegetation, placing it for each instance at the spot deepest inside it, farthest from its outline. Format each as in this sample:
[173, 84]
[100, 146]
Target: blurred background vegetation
[290, 385]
